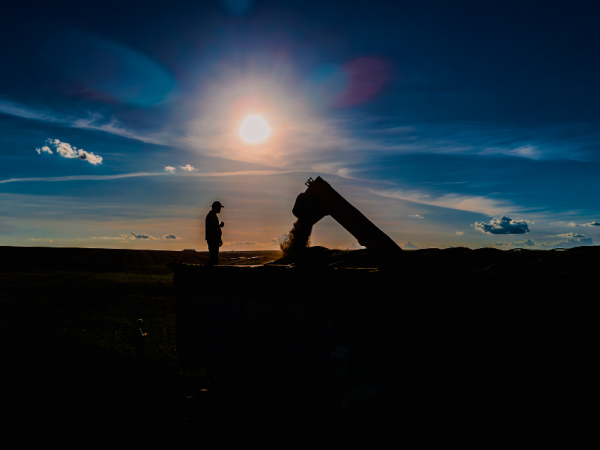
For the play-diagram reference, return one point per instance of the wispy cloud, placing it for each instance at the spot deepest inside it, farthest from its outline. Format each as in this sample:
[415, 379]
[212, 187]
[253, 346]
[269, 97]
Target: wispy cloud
[461, 202]
[144, 174]
[416, 216]
[460, 233]
[93, 121]
[571, 235]
[171, 236]
[169, 169]
[188, 168]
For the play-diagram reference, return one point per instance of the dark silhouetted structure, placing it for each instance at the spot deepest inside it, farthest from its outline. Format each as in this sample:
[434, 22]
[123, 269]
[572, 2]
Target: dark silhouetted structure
[321, 200]
[213, 233]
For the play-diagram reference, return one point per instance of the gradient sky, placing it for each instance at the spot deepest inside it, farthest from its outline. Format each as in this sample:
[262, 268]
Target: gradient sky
[446, 123]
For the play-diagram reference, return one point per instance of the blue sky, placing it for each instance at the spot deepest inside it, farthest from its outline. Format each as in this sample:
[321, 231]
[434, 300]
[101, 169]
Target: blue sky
[445, 123]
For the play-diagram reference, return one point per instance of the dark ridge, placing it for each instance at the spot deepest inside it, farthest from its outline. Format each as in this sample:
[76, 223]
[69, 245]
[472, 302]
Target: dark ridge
[575, 260]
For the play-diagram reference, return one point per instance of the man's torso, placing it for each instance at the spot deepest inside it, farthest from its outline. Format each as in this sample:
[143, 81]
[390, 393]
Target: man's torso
[212, 228]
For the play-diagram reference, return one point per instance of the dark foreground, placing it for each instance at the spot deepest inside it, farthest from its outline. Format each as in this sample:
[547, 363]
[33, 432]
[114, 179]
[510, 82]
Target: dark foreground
[472, 355]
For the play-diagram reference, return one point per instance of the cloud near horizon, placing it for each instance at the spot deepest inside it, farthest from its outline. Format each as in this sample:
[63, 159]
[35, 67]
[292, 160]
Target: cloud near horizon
[503, 225]
[169, 169]
[591, 224]
[142, 236]
[571, 242]
[187, 168]
[171, 236]
[409, 246]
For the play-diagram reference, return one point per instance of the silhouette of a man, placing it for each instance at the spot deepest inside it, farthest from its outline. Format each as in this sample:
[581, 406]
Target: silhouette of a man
[213, 233]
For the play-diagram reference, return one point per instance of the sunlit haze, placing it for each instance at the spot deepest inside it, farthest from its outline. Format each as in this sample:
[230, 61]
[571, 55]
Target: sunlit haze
[445, 123]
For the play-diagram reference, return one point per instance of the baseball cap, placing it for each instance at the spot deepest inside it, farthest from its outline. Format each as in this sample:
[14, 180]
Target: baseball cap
[217, 204]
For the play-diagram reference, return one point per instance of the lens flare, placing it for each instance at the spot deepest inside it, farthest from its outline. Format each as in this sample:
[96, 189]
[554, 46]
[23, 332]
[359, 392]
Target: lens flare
[254, 129]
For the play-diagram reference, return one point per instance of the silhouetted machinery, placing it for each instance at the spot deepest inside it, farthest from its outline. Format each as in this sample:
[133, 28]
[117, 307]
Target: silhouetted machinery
[320, 200]
[292, 321]
[429, 336]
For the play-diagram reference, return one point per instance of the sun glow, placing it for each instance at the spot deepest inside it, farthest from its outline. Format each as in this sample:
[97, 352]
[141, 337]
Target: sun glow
[254, 129]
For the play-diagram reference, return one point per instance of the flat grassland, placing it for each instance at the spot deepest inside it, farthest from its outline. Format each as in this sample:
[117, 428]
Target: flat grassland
[66, 322]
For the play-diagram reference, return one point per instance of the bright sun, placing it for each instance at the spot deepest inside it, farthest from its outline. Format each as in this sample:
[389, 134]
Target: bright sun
[254, 129]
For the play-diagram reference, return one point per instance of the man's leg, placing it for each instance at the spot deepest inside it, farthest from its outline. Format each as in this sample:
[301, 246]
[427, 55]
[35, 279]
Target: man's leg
[213, 253]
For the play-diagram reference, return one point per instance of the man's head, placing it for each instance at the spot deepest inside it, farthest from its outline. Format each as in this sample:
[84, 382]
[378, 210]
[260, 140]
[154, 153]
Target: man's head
[139, 323]
[216, 207]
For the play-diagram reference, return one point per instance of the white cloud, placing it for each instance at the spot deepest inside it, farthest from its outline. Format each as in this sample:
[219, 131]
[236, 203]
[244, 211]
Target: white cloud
[169, 169]
[187, 168]
[141, 236]
[171, 236]
[460, 233]
[123, 236]
[65, 150]
[43, 149]
[416, 216]
[571, 235]
[591, 224]
[408, 246]
[503, 225]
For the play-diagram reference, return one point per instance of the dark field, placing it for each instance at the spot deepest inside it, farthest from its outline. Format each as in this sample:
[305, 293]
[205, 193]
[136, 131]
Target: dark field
[65, 322]
[67, 359]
